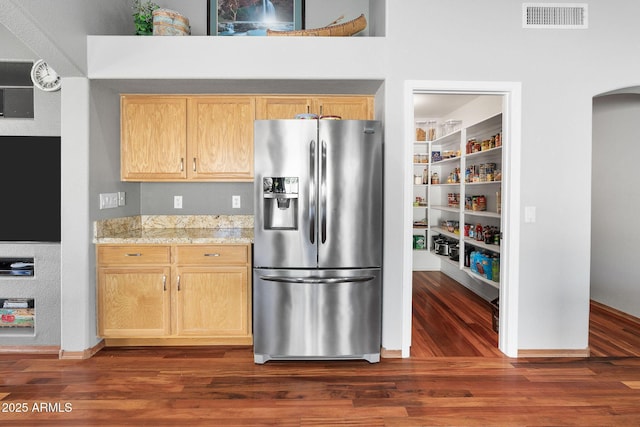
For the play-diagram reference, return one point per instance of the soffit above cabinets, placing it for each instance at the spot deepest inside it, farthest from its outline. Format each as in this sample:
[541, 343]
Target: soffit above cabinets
[215, 86]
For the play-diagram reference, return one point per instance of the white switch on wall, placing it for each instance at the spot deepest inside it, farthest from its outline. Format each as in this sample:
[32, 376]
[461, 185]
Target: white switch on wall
[235, 202]
[177, 202]
[529, 214]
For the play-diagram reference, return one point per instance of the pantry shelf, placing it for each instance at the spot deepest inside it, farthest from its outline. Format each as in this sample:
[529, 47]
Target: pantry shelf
[482, 279]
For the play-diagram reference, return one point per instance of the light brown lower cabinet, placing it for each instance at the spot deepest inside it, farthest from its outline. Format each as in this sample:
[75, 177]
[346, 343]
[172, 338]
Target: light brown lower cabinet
[174, 294]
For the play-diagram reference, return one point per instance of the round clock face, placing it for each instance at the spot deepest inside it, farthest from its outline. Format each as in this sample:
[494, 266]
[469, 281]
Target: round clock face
[44, 77]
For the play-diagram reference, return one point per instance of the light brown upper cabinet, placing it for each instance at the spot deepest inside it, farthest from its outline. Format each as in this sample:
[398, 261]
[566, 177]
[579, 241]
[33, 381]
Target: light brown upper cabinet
[354, 107]
[220, 142]
[153, 138]
[196, 138]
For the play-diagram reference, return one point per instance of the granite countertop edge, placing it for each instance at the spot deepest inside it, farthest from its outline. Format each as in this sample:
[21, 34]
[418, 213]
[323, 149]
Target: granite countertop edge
[175, 230]
[181, 236]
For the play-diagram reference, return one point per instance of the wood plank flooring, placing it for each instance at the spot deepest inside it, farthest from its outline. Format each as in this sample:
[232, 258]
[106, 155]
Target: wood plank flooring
[454, 377]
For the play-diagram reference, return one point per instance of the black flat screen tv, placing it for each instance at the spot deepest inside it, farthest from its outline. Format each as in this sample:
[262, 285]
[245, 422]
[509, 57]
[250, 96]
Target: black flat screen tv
[30, 177]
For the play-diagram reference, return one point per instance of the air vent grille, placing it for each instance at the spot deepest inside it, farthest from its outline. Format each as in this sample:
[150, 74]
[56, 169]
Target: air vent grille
[554, 15]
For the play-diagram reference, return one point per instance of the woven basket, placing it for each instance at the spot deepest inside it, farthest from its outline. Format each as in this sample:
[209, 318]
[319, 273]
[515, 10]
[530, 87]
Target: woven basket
[170, 23]
[340, 30]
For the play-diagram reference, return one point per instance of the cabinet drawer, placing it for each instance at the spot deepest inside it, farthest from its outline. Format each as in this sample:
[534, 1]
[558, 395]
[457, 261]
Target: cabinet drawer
[134, 254]
[212, 254]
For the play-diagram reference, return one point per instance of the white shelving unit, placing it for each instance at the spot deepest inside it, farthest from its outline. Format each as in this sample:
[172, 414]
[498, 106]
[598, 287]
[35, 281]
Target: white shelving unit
[463, 177]
[421, 154]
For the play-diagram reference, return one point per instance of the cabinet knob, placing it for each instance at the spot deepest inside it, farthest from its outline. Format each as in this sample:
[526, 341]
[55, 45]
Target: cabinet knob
[137, 254]
[215, 254]
[164, 283]
[194, 164]
[178, 283]
[181, 164]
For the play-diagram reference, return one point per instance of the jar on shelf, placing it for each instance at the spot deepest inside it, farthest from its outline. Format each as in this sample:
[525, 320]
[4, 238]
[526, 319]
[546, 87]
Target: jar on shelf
[431, 130]
[435, 179]
[421, 135]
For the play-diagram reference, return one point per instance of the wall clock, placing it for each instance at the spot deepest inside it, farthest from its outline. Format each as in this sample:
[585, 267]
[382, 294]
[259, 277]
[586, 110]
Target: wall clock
[44, 77]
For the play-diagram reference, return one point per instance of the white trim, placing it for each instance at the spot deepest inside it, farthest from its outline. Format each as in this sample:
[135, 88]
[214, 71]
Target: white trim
[512, 92]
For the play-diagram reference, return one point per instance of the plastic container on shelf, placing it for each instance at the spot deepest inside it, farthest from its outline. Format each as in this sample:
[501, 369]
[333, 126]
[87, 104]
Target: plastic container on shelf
[432, 125]
[451, 126]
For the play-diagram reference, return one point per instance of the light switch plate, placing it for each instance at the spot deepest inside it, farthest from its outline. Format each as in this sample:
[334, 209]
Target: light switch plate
[235, 202]
[122, 198]
[108, 200]
[529, 214]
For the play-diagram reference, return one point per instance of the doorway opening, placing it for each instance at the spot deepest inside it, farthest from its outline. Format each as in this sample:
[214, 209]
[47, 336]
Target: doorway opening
[463, 145]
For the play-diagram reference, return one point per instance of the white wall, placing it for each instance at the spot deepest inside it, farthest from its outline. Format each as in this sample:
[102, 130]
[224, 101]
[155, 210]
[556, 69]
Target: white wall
[560, 71]
[615, 200]
[77, 252]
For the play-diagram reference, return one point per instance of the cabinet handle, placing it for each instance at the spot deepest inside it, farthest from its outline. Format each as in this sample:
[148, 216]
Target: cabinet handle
[178, 283]
[181, 164]
[216, 254]
[194, 164]
[138, 254]
[321, 110]
[164, 282]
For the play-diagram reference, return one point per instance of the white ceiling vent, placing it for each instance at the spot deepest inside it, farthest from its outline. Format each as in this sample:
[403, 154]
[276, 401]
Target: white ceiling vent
[554, 15]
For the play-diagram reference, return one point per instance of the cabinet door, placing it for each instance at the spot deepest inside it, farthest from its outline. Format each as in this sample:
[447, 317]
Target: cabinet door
[134, 302]
[282, 107]
[221, 138]
[153, 138]
[212, 301]
[347, 107]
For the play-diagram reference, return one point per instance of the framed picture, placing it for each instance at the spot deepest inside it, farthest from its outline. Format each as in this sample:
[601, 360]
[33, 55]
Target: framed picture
[253, 17]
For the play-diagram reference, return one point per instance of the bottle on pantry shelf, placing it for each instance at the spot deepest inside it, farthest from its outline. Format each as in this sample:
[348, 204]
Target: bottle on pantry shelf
[467, 256]
[435, 179]
[469, 147]
[479, 232]
[425, 176]
[495, 269]
[488, 235]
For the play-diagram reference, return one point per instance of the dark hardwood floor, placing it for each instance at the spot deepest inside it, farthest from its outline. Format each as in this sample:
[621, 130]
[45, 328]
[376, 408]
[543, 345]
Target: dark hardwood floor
[454, 377]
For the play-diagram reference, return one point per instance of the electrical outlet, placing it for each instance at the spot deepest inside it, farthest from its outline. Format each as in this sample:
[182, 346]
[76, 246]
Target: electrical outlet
[122, 198]
[235, 202]
[177, 202]
[108, 200]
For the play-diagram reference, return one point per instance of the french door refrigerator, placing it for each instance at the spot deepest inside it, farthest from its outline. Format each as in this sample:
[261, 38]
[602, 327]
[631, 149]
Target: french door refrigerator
[317, 283]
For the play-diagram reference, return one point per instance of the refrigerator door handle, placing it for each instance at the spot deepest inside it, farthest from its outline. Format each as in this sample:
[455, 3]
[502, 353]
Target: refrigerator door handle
[323, 192]
[311, 280]
[312, 192]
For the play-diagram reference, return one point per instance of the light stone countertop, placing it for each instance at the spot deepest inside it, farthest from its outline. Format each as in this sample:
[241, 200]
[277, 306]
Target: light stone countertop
[208, 229]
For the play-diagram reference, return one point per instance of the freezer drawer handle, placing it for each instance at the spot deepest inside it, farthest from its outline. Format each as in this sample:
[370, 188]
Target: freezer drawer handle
[307, 280]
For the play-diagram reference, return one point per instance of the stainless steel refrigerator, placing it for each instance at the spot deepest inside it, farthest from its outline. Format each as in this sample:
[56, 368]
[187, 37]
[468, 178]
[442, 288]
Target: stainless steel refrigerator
[317, 283]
